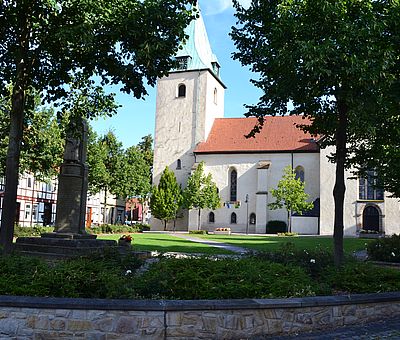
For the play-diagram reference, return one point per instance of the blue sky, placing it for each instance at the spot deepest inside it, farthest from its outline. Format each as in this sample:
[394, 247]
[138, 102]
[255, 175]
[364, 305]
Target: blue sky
[135, 118]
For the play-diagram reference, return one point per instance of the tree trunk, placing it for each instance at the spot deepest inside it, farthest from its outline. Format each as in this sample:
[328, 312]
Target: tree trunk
[198, 220]
[15, 135]
[105, 206]
[289, 221]
[165, 225]
[340, 187]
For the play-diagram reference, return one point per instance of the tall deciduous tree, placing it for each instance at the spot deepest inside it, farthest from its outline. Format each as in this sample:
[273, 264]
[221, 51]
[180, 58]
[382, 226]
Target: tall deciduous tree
[44, 43]
[290, 195]
[166, 198]
[201, 192]
[335, 61]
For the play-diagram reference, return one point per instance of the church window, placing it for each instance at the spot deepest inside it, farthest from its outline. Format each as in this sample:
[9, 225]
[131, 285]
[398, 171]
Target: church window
[181, 90]
[178, 164]
[368, 188]
[233, 218]
[211, 217]
[215, 96]
[233, 186]
[299, 172]
[252, 218]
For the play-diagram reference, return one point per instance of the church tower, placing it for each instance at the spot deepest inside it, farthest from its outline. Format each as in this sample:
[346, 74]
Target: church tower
[188, 101]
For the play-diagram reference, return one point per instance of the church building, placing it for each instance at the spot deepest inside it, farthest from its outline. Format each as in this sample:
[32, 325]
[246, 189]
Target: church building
[191, 128]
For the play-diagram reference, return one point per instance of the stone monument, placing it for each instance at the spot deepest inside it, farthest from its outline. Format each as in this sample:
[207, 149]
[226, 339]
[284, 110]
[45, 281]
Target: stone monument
[69, 237]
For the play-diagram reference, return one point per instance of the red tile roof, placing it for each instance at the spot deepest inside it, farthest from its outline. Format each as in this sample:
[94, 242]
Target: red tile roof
[279, 134]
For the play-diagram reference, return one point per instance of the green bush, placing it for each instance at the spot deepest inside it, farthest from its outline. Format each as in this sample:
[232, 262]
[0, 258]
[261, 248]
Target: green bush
[385, 249]
[359, 277]
[205, 278]
[101, 275]
[274, 227]
[118, 229]
[198, 232]
[35, 230]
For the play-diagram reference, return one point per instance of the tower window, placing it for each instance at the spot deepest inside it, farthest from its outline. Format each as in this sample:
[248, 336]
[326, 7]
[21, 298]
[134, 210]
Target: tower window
[233, 186]
[215, 96]
[181, 90]
[178, 164]
[233, 218]
[211, 217]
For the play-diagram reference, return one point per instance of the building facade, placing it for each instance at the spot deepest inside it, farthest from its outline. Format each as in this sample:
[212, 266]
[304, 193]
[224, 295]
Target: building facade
[190, 128]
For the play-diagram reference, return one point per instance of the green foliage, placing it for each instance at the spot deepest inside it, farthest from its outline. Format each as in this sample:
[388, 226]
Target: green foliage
[201, 192]
[385, 249]
[288, 234]
[362, 278]
[166, 199]
[290, 194]
[198, 232]
[274, 227]
[118, 229]
[222, 279]
[101, 275]
[35, 230]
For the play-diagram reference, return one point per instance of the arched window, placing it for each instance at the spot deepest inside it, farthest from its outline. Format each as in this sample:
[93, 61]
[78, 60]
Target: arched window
[233, 218]
[211, 217]
[215, 96]
[233, 186]
[299, 172]
[252, 218]
[178, 164]
[181, 90]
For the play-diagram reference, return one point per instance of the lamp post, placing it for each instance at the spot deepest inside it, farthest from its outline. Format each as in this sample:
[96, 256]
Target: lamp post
[247, 213]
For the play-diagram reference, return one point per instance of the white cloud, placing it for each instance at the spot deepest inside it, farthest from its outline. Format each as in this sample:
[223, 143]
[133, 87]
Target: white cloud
[212, 7]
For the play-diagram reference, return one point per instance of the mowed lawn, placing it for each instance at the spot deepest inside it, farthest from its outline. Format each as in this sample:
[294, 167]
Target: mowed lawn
[166, 243]
[267, 243]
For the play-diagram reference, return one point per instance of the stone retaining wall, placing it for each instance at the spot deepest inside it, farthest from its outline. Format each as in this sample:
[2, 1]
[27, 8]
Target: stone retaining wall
[94, 319]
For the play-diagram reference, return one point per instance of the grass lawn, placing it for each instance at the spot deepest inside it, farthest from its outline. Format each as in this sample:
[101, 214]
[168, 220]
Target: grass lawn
[166, 243]
[265, 243]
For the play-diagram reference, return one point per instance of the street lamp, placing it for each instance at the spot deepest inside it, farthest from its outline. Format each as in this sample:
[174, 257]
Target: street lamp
[247, 213]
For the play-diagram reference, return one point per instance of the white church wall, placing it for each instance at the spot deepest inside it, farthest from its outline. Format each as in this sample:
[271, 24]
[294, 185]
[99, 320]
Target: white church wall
[248, 183]
[389, 208]
[304, 225]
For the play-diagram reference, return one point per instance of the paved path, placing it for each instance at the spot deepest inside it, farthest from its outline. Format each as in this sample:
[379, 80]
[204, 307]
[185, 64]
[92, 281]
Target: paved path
[234, 249]
[385, 329]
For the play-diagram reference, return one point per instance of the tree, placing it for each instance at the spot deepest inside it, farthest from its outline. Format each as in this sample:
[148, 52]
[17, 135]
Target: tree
[107, 167]
[335, 61]
[166, 198]
[42, 142]
[290, 194]
[128, 41]
[201, 192]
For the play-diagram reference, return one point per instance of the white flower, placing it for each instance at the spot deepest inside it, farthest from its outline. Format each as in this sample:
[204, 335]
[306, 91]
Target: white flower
[312, 261]
[393, 254]
[128, 272]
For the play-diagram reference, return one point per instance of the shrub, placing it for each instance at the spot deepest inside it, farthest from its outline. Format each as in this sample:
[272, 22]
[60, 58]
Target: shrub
[288, 234]
[35, 230]
[118, 229]
[198, 232]
[385, 249]
[359, 277]
[203, 278]
[274, 227]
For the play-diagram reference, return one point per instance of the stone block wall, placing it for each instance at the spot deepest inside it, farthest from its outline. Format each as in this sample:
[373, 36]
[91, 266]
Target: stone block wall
[26, 318]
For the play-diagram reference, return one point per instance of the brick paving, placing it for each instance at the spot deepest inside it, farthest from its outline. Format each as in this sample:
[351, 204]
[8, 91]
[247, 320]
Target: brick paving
[378, 330]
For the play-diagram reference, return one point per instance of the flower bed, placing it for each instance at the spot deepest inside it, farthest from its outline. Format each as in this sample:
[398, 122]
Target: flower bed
[222, 231]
